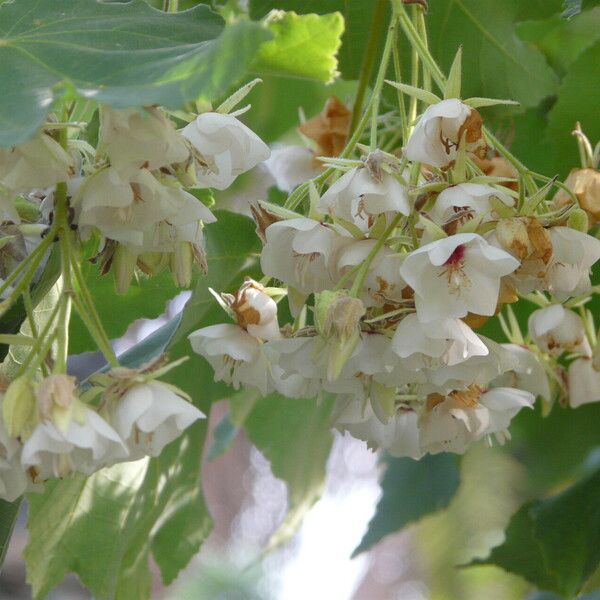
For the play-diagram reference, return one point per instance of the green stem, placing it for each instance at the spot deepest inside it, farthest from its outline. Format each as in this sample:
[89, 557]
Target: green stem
[368, 61]
[421, 27]
[401, 104]
[376, 96]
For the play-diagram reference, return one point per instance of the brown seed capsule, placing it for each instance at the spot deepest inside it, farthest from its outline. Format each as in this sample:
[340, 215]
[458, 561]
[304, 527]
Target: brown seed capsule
[585, 184]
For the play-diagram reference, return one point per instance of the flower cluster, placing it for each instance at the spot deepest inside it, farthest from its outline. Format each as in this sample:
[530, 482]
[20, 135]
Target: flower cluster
[50, 429]
[390, 274]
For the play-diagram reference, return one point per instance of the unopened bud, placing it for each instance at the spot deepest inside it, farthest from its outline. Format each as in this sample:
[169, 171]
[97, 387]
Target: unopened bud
[181, 264]
[19, 408]
[152, 263]
[123, 266]
[585, 184]
[28, 211]
[578, 219]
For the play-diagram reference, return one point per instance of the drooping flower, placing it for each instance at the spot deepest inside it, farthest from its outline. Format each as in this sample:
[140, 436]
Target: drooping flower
[39, 163]
[360, 195]
[290, 166]
[428, 345]
[465, 200]
[383, 284]
[329, 129]
[451, 423]
[237, 357]
[528, 373]
[148, 416]
[14, 480]
[70, 435]
[585, 184]
[556, 330]
[223, 148]
[301, 252]
[140, 138]
[584, 382]
[436, 137]
[456, 275]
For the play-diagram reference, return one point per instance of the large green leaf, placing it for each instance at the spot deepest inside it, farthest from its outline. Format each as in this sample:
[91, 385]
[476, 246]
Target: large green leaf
[578, 100]
[496, 63]
[411, 489]
[295, 436]
[302, 46]
[555, 543]
[124, 54]
[562, 41]
[358, 15]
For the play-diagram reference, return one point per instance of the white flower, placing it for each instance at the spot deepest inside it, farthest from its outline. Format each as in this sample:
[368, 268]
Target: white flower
[358, 197]
[292, 165]
[140, 137]
[70, 436]
[236, 356]
[584, 382]
[456, 275]
[14, 481]
[447, 342]
[383, 284]
[300, 252]
[574, 254]
[225, 148]
[556, 330]
[399, 435]
[436, 136]
[255, 310]
[123, 206]
[151, 415]
[39, 163]
[451, 423]
[471, 197]
[528, 373]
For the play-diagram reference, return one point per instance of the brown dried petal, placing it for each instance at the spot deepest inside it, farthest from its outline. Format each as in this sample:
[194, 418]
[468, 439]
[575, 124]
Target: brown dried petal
[329, 129]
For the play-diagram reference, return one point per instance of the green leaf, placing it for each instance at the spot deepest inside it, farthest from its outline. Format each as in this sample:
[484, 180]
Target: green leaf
[411, 489]
[8, 517]
[563, 41]
[123, 54]
[555, 543]
[357, 14]
[302, 46]
[295, 437]
[578, 100]
[496, 63]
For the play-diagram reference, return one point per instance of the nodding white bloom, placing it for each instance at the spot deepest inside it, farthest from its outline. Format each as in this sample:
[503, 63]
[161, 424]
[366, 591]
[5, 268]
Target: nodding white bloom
[39, 163]
[399, 436]
[359, 196]
[452, 422]
[479, 369]
[148, 416]
[428, 345]
[300, 252]
[292, 165]
[254, 310]
[436, 136]
[556, 330]
[456, 275]
[383, 284]
[70, 436]
[584, 382]
[574, 254]
[224, 148]
[124, 206]
[14, 481]
[459, 200]
[141, 138]
[237, 357]
[528, 373]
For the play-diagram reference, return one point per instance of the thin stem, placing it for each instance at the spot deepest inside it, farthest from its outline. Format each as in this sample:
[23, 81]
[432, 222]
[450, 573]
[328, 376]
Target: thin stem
[401, 104]
[421, 27]
[368, 61]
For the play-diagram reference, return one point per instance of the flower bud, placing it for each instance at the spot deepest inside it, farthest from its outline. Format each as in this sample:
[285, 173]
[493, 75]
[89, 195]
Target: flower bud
[19, 408]
[579, 220]
[152, 263]
[585, 184]
[337, 320]
[28, 211]
[181, 264]
[123, 265]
